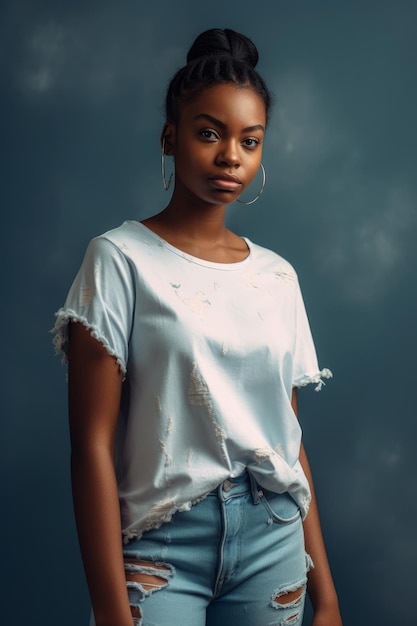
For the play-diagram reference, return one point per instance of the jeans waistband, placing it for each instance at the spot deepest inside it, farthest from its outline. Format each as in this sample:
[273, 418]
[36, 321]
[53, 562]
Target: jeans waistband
[239, 486]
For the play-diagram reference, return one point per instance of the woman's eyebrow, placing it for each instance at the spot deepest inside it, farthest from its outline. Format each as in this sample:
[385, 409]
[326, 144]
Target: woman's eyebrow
[222, 125]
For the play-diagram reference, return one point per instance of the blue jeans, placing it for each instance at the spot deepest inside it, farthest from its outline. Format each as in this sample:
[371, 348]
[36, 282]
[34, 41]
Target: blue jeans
[237, 557]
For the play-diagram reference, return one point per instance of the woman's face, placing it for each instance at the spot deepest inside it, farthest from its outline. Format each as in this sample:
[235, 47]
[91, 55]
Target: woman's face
[217, 143]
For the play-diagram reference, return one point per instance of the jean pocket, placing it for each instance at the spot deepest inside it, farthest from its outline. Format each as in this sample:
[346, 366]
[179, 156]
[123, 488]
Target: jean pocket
[281, 507]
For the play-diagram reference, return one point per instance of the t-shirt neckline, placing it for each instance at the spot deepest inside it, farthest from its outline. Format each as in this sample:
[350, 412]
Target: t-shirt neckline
[197, 260]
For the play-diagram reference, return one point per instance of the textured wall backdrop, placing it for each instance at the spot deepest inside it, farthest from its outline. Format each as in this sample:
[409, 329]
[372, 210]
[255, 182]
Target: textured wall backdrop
[82, 87]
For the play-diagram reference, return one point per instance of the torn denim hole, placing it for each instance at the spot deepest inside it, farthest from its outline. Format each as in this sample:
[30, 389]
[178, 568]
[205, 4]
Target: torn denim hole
[137, 615]
[146, 574]
[142, 579]
[290, 600]
[309, 563]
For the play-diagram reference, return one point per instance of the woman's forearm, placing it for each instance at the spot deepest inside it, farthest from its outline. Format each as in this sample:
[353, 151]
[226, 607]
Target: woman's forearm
[98, 523]
[94, 389]
[321, 589]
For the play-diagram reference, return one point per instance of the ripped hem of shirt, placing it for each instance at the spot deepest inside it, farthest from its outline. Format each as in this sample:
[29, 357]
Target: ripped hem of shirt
[159, 515]
[315, 378]
[60, 332]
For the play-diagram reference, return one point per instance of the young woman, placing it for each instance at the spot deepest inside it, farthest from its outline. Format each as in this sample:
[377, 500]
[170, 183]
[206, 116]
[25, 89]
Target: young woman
[185, 345]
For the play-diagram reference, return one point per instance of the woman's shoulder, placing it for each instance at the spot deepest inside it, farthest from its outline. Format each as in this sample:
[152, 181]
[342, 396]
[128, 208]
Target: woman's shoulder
[268, 258]
[121, 246]
[128, 239]
[128, 231]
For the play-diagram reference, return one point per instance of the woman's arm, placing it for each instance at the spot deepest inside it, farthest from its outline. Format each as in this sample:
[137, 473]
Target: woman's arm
[320, 586]
[94, 382]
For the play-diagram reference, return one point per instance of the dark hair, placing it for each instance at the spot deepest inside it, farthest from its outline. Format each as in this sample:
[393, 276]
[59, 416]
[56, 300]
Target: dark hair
[216, 56]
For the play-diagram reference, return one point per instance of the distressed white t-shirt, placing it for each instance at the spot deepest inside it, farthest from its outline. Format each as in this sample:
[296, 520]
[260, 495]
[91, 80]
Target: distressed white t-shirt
[210, 353]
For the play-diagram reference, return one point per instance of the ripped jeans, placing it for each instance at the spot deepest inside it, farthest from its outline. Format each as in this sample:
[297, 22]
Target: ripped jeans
[237, 557]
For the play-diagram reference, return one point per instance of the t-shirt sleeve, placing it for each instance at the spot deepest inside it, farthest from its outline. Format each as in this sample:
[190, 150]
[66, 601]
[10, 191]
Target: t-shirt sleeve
[102, 297]
[305, 366]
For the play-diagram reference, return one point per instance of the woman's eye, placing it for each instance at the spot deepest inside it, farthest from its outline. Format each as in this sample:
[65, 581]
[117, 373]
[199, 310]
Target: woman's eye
[208, 134]
[251, 142]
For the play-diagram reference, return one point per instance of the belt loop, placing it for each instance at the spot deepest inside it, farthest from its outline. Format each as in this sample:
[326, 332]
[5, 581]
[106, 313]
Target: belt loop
[256, 494]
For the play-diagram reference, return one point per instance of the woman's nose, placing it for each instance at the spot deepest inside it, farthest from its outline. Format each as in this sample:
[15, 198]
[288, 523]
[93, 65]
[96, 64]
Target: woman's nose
[228, 155]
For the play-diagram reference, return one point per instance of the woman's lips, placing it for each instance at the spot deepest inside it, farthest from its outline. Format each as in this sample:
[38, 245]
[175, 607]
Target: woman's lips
[229, 183]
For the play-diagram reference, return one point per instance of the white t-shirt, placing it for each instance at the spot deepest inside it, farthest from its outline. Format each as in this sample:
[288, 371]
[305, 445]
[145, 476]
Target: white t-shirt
[210, 353]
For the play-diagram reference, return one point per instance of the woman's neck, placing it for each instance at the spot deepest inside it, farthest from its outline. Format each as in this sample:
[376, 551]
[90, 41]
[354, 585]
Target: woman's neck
[200, 232]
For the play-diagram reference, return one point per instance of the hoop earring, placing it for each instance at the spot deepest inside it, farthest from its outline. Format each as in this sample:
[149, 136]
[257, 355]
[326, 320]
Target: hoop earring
[165, 184]
[261, 189]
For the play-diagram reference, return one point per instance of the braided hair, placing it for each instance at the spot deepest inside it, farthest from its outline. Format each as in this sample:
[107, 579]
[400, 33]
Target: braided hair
[216, 56]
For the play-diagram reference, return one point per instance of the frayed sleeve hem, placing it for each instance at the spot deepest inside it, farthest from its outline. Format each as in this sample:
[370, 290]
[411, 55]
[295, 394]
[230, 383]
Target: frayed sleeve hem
[60, 332]
[316, 379]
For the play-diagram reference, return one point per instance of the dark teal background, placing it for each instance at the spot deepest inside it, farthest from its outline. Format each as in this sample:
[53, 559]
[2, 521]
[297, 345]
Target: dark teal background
[82, 87]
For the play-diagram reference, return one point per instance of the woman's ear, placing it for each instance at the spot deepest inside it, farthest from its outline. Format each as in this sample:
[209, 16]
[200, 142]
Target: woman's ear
[168, 139]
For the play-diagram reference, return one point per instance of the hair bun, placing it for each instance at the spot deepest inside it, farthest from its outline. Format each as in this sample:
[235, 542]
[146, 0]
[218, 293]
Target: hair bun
[227, 42]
